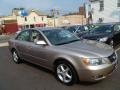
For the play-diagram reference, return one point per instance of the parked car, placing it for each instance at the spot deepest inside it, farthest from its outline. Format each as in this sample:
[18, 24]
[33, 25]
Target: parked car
[65, 54]
[107, 33]
[78, 30]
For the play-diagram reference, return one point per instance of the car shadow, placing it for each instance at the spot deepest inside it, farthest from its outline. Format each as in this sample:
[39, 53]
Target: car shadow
[86, 83]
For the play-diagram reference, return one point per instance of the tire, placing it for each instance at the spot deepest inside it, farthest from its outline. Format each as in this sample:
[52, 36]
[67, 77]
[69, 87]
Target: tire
[65, 73]
[15, 57]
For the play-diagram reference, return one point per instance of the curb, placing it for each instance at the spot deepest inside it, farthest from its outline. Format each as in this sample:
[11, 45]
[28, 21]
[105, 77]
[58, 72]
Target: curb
[4, 44]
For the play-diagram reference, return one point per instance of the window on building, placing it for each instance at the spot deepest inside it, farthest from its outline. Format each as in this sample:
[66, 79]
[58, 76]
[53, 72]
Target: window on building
[101, 5]
[27, 26]
[34, 18]
[100, 20]
[118, 3]
[25, 18]
[42, 18]
[23, 27]
[32, 26]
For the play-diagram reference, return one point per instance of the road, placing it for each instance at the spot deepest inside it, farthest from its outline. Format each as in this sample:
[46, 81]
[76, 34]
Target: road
[26, 76]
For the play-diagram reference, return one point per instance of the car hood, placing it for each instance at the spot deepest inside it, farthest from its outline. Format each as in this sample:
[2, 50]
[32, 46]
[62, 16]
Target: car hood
[92, 36]
[87, 48]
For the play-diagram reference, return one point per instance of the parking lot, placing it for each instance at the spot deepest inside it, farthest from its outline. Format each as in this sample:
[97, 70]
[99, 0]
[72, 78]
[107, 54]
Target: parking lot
[27, 76]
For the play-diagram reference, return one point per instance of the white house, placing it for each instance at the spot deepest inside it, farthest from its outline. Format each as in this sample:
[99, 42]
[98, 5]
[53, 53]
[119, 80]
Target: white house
[104, 11]
[29, 19]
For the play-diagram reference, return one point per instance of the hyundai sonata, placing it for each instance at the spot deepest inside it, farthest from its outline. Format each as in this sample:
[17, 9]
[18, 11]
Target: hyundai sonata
[69, 57]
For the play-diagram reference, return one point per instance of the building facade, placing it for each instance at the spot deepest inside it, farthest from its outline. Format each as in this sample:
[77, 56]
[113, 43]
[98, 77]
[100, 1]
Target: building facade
[8, 24]
[68, 20]
[22, 19]
[30, 19]
[105, 11]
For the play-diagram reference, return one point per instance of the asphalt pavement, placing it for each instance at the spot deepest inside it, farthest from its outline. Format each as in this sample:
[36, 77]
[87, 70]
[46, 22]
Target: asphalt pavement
[27, 76]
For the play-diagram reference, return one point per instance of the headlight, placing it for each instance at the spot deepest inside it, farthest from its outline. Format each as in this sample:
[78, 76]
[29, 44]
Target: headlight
[103, 39]
[94, 61]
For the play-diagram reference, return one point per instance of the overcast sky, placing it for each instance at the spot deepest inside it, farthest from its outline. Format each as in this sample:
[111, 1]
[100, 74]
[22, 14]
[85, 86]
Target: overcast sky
[44, 5]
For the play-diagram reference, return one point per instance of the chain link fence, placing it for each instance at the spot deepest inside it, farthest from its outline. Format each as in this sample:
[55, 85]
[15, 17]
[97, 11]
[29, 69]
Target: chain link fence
[5, 38]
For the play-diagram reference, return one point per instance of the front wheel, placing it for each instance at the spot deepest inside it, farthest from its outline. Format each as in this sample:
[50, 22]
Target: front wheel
[65, 73]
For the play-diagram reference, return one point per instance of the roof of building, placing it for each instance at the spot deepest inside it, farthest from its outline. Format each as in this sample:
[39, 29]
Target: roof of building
[75, 13]
[37, 12]
[93, 0]
[16, 11]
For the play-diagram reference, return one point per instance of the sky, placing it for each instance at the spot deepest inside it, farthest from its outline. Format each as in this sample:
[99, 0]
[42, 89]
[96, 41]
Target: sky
[64, 6]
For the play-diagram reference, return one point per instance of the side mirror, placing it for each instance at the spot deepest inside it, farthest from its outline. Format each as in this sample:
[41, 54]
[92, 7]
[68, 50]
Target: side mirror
[40, 43]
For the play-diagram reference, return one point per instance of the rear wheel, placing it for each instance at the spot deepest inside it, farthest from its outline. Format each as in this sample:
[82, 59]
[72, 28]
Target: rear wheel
[15, 56]
[65, 73]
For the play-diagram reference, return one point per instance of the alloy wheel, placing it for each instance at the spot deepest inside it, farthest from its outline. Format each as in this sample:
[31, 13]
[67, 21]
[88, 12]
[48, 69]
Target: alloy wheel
[64, 73]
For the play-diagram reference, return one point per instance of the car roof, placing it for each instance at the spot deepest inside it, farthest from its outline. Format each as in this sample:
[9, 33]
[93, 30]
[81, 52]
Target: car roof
[112, 23]
[45, 28]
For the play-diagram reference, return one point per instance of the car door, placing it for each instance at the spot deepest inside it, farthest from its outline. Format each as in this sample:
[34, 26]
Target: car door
[116, 37]
[22, 42]
[38, 53]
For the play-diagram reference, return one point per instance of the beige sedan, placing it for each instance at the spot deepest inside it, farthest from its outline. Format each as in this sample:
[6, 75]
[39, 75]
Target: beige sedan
[71, 58]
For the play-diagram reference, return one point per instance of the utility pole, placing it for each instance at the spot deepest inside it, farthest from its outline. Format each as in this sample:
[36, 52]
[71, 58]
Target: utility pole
[54, 14]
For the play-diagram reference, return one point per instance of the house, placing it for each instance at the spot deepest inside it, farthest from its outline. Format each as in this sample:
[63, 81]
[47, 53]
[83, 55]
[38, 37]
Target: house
[103, 11]
[29, 19]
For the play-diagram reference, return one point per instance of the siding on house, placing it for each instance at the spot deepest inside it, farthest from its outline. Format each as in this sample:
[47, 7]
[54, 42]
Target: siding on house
[110, 13]
[33, 19]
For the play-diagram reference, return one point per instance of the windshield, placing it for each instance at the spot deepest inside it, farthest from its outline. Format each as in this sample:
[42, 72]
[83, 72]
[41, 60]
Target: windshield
[59, 37]
[82, 29]
[99, 29]
[78, 29]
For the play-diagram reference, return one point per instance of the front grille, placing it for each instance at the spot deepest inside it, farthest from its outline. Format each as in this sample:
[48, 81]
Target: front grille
[112, 58]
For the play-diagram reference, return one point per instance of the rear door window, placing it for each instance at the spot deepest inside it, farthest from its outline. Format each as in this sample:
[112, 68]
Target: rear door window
[24, 36]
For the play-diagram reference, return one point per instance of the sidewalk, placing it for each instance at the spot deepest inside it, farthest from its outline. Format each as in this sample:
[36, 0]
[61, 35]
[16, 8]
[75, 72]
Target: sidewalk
[4, 40]
[4, 44]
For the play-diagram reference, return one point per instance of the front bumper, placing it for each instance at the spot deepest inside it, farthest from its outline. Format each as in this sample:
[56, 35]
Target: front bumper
[96, 73]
